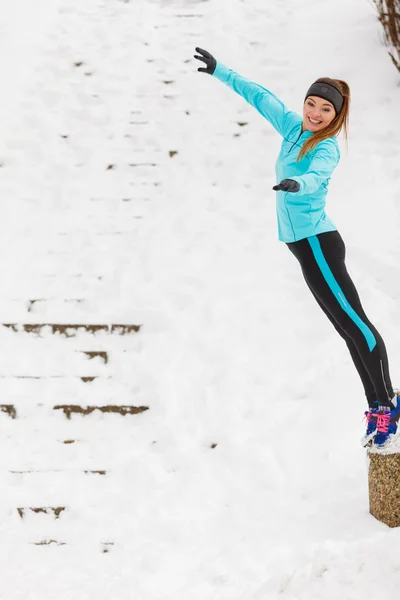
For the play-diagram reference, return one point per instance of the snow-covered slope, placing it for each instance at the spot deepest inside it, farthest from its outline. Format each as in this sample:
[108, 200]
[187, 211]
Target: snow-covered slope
[138, 208]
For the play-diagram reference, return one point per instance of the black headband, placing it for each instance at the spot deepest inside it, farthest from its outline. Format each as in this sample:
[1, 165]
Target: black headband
[328, 92]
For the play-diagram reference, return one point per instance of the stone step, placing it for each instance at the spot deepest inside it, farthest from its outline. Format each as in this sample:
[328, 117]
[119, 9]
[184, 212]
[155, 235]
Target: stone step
[384, 485]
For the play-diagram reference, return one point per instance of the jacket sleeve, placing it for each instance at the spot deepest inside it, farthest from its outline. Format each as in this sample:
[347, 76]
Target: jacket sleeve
[267, 104]
[320, 170]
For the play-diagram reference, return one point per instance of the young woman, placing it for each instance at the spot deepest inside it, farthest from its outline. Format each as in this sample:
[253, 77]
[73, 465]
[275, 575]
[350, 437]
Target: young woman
[308, 156]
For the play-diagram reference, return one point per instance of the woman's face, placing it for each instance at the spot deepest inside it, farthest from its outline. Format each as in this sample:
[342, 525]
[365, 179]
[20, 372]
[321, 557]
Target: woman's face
[319, 110]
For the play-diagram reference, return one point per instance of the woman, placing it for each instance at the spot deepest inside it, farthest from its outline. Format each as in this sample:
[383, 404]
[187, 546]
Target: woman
[308, 156]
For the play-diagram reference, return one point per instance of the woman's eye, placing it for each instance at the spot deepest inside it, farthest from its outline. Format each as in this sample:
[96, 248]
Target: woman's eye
[325, 109]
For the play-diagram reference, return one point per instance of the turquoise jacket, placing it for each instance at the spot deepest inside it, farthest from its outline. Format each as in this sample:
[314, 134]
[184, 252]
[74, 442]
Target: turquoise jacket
[300, 214]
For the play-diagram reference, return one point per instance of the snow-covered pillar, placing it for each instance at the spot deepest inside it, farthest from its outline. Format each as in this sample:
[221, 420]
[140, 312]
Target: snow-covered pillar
[384, 487]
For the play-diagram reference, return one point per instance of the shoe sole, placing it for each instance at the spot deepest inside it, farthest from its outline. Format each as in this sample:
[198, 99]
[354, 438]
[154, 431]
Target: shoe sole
[390, 442]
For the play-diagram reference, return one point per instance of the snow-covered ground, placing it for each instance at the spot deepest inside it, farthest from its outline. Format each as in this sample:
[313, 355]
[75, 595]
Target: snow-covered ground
[133, 194]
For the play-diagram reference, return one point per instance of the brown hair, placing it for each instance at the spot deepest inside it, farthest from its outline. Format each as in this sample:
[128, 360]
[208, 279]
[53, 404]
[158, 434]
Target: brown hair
[341, 121]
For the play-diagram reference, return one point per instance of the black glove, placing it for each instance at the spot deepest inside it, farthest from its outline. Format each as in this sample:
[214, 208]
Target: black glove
[287, 185]
[208, 59]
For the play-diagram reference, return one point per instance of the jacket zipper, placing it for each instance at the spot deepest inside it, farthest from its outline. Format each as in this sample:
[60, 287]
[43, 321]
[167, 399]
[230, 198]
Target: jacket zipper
[284, 198]
[301, 133]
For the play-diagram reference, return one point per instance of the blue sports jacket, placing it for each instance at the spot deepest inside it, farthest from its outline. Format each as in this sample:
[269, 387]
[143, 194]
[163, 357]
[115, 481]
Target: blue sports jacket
[300, 214]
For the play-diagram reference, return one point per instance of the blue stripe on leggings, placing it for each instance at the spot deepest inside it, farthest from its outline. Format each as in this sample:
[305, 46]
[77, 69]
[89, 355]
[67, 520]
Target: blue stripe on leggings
[339, 295]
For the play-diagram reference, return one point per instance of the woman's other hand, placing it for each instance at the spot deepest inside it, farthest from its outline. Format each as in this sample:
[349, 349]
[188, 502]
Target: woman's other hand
[287, 185]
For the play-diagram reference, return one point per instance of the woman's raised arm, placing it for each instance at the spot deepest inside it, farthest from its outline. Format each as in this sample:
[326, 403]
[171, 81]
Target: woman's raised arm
[267, 104]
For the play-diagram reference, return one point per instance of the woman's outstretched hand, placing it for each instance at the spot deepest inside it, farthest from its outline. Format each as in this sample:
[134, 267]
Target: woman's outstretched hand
[287, 185]
[207, 58]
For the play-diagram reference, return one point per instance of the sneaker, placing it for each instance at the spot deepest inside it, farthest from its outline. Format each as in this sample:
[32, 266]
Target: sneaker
[371, 416]
[387, 425]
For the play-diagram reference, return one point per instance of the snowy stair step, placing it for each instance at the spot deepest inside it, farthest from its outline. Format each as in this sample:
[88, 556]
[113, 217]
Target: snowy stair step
[59, 358]
[33, 396]
[71, 329]
[64, 471]
[55, 511]
[104, 546]
[49, 525]
[41, 359]
[69, 409]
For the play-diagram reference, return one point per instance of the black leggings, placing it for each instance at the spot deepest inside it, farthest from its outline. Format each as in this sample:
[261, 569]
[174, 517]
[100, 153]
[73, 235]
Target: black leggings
[322, 260]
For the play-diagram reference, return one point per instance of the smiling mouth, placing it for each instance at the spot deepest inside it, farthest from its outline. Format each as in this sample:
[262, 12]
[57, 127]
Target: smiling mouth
[314, 122]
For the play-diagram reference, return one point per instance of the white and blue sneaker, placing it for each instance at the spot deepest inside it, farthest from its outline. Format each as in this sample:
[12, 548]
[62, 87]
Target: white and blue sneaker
[371, 416]
[387, 430]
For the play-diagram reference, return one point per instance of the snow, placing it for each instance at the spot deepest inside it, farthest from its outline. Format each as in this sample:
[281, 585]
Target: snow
[245, 478]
